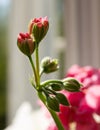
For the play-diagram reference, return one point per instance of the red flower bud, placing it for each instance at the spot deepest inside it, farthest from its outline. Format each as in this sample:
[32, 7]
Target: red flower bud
[38, 28]
[25, 43]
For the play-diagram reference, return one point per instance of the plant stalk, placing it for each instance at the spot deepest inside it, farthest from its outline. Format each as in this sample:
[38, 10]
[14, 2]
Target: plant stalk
[51, 81]
[33, 67]
[53, 113]
[37, 65]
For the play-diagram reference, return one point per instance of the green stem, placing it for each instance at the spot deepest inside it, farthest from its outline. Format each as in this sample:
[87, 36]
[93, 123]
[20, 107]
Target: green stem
[37, 66]
[53, 113]
[56, 119]
[33, 67]
[51, 81]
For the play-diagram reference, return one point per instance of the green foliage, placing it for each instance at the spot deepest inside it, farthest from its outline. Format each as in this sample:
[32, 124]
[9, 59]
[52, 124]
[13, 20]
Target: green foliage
[3, 63]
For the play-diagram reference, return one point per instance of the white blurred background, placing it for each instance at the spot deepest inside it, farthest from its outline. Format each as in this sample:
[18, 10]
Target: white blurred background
[73, 38]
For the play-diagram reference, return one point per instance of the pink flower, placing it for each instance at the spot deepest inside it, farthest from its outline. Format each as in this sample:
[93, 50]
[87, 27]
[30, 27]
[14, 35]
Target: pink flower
[68, 114]
[38, 28]
[87, 75]
[84, 113]
[92, 98]
[88, 126]
[52, 127]
[25, 43]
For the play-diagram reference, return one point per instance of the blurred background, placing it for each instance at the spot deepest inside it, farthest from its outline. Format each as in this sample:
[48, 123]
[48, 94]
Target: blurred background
[73, 38]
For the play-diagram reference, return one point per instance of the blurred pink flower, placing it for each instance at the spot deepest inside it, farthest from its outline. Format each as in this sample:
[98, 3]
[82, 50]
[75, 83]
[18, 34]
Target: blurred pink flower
[89, 126]
[92, 98]
[87, 75]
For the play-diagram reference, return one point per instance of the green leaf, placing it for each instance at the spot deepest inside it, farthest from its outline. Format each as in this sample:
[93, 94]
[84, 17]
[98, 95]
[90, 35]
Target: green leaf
[62, 99]
[53, 103]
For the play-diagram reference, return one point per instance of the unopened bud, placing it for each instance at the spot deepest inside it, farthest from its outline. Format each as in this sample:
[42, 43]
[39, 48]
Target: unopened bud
[62, 99]
[25, 43]
[57, 86]
[71, 84]
[53, 103]
[38, 28]
[49, 65]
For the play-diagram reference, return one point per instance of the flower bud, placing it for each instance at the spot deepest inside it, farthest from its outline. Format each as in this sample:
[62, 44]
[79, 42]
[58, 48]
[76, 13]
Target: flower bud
[38, 28]
[71, 84]
[57, 86]
[49, 65]
[53, 103]
[25, 43]
[62, 99]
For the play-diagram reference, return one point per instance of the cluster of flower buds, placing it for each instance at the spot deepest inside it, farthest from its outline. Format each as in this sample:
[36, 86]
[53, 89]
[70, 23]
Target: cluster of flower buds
[27, 42]
[53, 97]
[51, 90]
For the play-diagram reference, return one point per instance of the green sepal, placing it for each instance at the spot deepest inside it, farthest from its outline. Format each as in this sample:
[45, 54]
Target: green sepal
[37, 33]
[57, 86]
[71, 85]
[62, 99]
[24, 48]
